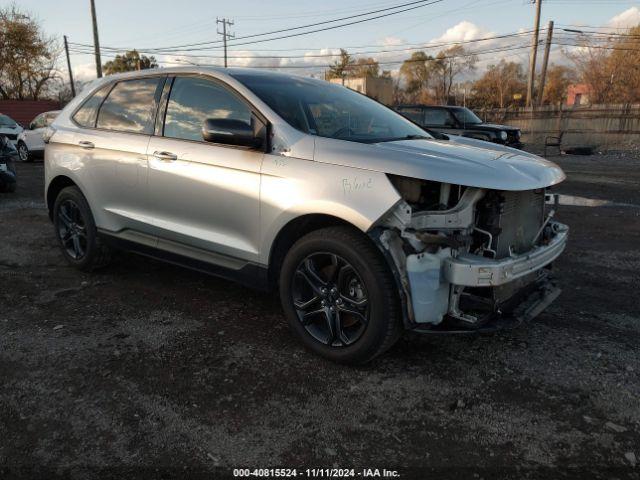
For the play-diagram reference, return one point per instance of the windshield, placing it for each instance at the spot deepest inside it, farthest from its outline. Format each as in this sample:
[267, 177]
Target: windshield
[464, 115]
[6, 121]
[321, 108]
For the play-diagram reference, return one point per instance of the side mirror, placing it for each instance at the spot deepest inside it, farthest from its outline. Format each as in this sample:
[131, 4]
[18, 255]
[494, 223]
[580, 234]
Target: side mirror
[230, 132]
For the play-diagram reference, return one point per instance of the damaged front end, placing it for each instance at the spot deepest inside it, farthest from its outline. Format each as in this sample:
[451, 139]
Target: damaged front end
[470, 259]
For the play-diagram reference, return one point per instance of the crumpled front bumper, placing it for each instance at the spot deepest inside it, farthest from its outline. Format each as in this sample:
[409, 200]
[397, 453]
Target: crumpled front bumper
[529, 288]
[475, 271]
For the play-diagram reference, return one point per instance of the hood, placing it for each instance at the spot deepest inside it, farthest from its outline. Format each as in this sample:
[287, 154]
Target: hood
[495, 126]
[445, 161]
[497, 147]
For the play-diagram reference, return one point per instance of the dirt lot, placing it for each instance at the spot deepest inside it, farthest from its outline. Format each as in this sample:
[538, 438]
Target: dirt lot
[149, 370]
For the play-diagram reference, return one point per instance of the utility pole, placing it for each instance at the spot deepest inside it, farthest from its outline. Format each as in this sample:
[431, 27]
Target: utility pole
[96, 41]
[545, 62]
[225, 35]
[534, 53]
[66, 49]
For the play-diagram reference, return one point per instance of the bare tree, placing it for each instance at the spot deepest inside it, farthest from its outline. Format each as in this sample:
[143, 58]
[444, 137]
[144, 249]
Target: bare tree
[448, 65]
[27, 56]
[610, 66]
[364, 67]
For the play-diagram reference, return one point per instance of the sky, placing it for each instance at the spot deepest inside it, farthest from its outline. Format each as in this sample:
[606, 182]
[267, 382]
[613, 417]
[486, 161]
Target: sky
[146, 24]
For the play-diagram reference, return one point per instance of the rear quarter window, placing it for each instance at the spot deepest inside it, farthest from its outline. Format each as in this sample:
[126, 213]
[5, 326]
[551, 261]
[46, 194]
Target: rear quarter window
[87, 114]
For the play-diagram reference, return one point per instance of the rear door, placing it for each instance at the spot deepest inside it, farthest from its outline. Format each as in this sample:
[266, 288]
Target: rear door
[204, 197]
[116, 148]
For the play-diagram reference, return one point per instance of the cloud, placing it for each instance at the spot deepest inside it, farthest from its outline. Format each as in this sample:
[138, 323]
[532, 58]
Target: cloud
[462, 32]
[82, 73]
[627, 19]
[391, 41]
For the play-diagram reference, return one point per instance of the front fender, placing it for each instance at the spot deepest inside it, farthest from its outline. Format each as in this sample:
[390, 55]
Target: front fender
[293, 187]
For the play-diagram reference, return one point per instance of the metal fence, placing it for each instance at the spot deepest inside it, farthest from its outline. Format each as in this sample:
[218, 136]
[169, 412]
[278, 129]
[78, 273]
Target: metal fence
[602, 127]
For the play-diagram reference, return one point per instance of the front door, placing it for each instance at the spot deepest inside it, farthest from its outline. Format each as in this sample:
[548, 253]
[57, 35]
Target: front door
[441, 120]
[204, 197]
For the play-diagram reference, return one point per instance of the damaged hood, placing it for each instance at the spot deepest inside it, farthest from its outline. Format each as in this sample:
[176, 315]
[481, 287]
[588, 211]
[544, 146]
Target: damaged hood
[445, 161]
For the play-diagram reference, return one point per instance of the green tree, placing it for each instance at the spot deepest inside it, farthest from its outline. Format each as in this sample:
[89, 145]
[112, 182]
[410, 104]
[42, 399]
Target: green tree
[128, 62]
[559, 77]
[417, 72]
[498, 86]
[340, 67]
[27, 56]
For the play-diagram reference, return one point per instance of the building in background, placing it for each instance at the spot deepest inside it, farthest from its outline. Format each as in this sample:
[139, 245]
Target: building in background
[23, 111]
[577, 94]
[378, 88]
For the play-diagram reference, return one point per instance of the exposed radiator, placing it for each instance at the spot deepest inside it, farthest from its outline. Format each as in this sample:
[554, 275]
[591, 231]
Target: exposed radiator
[512, 218]
[521, 217]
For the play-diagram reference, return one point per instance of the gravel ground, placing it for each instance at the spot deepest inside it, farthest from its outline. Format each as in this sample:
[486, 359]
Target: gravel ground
[146, 370]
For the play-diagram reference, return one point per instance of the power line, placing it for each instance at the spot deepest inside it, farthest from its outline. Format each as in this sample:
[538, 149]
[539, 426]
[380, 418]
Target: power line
[423, 46]
[187, 47]
[390, 62]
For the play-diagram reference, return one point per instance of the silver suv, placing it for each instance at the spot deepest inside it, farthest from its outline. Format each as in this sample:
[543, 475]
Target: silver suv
[365, 223]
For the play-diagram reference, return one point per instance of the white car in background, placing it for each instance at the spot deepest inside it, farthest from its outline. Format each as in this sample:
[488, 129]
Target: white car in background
[9, 128]
[30, 141]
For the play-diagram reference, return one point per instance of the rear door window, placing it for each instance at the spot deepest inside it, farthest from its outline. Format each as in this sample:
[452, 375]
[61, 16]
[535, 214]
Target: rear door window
[130, 106]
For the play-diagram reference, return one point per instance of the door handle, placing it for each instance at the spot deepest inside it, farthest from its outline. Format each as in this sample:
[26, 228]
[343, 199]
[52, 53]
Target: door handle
[166, 156]
[85, 144]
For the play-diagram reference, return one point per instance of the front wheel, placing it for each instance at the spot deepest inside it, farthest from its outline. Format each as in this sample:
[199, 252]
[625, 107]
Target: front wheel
[23, 152]
[339, 295]
[76, 231]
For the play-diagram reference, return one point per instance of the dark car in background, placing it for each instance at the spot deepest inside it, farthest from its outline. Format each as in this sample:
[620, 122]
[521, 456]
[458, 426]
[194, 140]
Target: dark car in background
[460, 121]
[8, 157]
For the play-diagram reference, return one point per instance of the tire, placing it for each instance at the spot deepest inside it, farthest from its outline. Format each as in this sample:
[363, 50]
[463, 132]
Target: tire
[24, 153]
[359, 288]
[76, 231]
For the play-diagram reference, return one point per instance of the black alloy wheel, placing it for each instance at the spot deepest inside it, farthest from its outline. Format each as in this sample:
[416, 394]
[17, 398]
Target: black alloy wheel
[339, 295]
[76, 231]
[330, 299]
[72, 231]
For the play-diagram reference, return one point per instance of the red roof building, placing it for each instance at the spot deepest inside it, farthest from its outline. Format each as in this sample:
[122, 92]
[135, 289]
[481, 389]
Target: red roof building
[578, 94]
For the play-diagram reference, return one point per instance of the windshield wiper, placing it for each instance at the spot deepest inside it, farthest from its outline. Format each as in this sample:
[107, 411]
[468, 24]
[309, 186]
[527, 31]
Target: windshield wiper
[407, 137]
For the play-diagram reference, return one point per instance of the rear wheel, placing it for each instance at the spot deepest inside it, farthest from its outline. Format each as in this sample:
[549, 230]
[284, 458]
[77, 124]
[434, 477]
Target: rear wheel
[339, 295]
[76, 231]
[23, 152]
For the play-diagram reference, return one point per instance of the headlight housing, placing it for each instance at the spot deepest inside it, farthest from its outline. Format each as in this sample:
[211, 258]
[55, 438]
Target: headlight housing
[503, 135]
